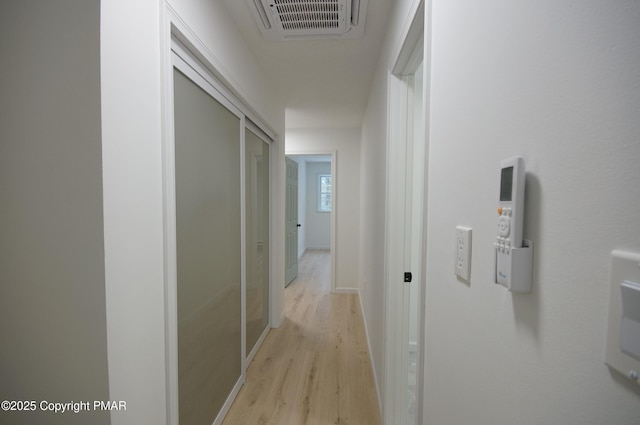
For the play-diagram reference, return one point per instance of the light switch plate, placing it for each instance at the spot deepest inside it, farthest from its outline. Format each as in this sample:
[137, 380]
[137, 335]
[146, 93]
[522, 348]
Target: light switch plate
[463, 253]
[625, 267]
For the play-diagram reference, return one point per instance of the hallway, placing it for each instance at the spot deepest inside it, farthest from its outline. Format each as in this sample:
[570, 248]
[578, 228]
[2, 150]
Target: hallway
[92, 208]
[315, 368]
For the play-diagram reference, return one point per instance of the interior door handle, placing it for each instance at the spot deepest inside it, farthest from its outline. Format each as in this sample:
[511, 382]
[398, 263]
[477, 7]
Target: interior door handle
[299, 225]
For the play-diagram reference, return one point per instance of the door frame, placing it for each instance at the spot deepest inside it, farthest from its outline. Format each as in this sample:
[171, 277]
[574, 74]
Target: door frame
[185, 64]
[248, 356]
[334, 206]
[413, 37]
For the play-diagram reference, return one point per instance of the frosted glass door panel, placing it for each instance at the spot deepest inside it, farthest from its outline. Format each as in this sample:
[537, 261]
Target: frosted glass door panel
[257, 231]
[207, 160]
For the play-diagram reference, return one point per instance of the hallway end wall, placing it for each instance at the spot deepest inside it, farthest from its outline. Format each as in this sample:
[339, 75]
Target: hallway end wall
[346, 143]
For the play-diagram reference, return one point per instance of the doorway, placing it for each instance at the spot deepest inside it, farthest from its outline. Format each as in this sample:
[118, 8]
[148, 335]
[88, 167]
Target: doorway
[314, 204]
[406, 181]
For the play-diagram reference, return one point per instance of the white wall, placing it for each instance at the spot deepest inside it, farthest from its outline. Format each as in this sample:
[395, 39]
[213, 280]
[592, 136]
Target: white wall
[52, 275]
[132, 176]
[318, 230]
[557, 82]
[132, 49]
[346, 143]
[372, 190]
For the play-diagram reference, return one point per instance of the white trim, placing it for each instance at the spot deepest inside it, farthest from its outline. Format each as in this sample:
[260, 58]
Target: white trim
[344, 290]
[394, 249]
[186, 63]
[373, 364]
[407, 38]
[334, 204]
[169, 224]
[248, 358]
[255, 129]
[229, 401]
[243, 255]
[276, 233]
[426, 112]
[257, 346]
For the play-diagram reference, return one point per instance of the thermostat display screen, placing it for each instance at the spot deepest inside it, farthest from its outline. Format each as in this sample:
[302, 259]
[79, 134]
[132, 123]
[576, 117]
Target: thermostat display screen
[506, 183]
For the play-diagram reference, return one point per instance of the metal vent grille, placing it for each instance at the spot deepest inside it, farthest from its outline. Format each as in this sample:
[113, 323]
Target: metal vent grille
[311, 14]
[299, 17]
[304, 19]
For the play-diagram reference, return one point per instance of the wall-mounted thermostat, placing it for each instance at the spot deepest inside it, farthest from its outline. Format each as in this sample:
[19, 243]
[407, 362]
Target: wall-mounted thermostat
[513, 255]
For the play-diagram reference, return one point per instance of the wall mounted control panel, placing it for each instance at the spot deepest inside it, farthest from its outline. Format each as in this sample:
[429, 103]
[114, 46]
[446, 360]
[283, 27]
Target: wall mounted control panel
[513, 254]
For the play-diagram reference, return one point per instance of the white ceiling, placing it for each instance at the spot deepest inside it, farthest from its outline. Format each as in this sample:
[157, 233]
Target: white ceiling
[324, 83]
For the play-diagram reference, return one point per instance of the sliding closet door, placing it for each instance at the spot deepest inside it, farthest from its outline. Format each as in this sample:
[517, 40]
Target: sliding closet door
[257, 236]
[208, 226]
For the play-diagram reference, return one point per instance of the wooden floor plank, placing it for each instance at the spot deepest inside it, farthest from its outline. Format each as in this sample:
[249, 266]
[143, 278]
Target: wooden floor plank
[315, 368]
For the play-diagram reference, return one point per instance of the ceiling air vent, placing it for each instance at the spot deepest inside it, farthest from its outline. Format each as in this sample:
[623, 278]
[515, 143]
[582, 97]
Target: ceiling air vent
[299, 19]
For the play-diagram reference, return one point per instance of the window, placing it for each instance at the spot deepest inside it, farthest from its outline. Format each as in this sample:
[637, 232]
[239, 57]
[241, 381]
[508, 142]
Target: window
[324, 193]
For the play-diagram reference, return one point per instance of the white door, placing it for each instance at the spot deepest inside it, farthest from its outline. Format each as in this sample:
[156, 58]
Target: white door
[291, 254]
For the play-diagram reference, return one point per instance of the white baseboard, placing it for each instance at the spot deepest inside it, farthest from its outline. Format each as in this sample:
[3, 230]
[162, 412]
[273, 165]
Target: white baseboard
[373, 364]
[343, 290]
[282, 317]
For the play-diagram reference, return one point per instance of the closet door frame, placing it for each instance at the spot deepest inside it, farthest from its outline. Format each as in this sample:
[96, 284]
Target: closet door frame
[181, 53]
[248, 357]
[191, 71]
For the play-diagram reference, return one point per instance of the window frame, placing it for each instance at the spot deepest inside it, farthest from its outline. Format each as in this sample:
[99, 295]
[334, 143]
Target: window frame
[320, 192]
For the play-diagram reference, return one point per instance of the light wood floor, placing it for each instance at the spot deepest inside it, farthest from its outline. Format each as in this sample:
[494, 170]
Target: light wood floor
[315, 368]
